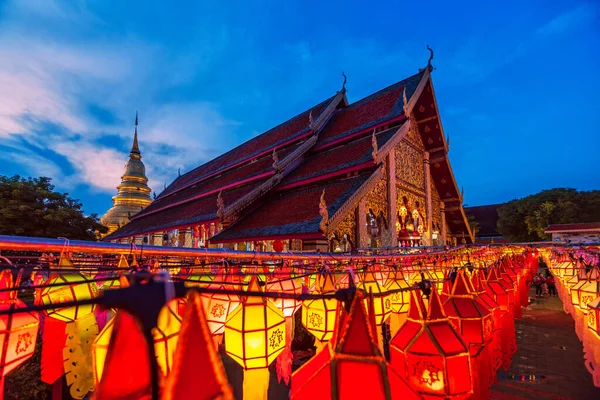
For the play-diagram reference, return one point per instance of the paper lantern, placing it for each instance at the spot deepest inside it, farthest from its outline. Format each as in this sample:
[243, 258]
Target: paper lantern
[18, 331]
[74, 287]
[430, 354]
[586, 290]
[593, 316]
[255, 331]
[289, 285]
[382, 304]
[166, 333]
[400, 300]
[351, 366]
[196, 356]
[319, 315]
[469, 316]
[165, 337]
[218, 306]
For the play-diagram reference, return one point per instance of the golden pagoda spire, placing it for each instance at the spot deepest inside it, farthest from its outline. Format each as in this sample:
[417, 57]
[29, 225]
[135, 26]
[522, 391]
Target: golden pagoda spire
[133, 193]
[135, 149]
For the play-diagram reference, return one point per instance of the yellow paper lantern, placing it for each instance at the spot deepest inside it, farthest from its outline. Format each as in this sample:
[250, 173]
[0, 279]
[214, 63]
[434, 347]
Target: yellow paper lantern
[290, 286]
[255, 331]
[75, 287]
[400, 300]
[382, 304]
[319, 315]
[585, 291]
[165, 337]
[166, 334]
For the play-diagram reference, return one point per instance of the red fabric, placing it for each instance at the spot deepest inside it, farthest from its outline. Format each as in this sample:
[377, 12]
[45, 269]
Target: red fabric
[53, 337]
[126, 370]
[196, 357]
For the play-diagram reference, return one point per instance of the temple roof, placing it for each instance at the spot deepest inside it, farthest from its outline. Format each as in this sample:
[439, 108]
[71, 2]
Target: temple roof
[328, 147]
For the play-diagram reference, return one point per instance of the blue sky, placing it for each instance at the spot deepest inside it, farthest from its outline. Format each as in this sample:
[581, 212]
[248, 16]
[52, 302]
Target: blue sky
[517, 83]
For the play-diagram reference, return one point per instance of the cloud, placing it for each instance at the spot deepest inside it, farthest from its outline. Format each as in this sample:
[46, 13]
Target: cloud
[580, 15]
[48, 78]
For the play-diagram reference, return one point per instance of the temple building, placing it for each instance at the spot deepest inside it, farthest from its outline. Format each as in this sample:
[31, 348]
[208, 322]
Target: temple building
[133, 193]
[336, 177]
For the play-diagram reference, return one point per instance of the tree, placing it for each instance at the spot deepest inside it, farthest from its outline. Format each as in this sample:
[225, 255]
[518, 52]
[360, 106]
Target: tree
[526, 219]
[31, 207]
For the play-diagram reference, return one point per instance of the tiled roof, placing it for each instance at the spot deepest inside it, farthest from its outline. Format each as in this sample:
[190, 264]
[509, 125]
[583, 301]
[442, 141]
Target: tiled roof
[581, 227]
[294, 212]
[203, 209]
[262, 166]
[278, 135]
[376, 108]
[338, 158]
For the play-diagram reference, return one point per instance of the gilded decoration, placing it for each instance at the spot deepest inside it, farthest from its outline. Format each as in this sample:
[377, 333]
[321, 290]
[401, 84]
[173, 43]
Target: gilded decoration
[409, 165]
[377, 200]
[436, 218]
[344, 236]
[412, 214]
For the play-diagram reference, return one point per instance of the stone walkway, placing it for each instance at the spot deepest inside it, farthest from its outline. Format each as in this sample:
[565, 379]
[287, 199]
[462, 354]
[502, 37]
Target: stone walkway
[549, 349]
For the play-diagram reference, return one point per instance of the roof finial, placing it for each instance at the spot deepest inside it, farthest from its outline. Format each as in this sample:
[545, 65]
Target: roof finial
[135, 149]
[165, 185]
[311, 122]
[375, 147]
[178, 172]
[275, 160]
[462, 193]
[220, 206]
[430, 58]
[405, 101]
[323, 213]
[344, 84]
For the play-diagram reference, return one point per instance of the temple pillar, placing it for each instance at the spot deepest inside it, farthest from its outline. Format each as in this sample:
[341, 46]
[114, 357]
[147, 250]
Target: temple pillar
[188, 238]
[429, 205]
[443, 222]
[362, 237]
[392, 197]
[157, 239]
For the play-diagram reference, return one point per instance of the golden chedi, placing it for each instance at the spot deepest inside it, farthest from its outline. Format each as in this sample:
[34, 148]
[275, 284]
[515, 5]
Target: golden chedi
[133, 192]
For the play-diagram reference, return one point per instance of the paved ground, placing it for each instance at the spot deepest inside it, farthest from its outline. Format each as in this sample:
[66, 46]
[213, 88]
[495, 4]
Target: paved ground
[547, 347]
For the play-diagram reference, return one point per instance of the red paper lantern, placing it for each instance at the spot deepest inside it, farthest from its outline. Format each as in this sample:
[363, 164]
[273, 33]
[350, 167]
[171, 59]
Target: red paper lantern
[351, 366]
[430, 354]
[18, 331]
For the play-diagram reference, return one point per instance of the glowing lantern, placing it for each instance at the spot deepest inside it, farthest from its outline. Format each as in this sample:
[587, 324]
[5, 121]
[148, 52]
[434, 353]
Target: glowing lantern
[350, 366]
[218, 306]
[319, 315]
[255, 335]
[201, 276]
[430, 354]
[586, 290]
[74, 287]
[382, 304]
[593, 316]
[18, 332]
[165, 337]
[399, 300]
[196, 356]
[289, 285]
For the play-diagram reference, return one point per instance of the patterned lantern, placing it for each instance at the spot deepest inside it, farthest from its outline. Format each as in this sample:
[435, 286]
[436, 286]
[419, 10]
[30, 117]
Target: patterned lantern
[469, 316]
[218, 306]
[72, 287]
[165, 337]
[430, 354]
[351, 366]
[586, 290]
[319, 315]
[255, 335]
[593, 317]
[382, 304]
[18, 331]
[255, 331]
[286, 284]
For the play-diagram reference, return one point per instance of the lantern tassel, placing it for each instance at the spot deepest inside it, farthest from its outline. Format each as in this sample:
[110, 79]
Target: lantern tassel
[77, 355]
[256, 384]
[53, 338]
[286, 358]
